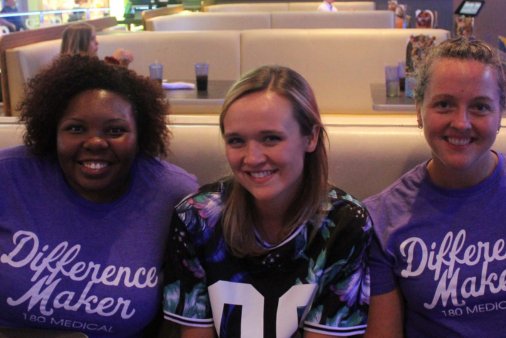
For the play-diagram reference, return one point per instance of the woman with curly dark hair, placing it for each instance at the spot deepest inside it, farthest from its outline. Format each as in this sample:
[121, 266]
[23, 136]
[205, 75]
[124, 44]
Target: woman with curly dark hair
[86, 202]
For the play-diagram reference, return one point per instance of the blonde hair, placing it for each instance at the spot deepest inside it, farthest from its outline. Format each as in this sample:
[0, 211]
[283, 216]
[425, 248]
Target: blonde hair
[239, 211]
[76, 39]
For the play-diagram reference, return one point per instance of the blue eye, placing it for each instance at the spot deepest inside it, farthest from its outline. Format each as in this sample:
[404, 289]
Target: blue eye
[443, 105]
[234, 141]
[481, 108]
[272, 139]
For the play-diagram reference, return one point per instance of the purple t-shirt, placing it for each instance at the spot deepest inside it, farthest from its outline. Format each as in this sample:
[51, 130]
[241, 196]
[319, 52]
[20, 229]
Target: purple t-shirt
[71, 264]
[446, 251]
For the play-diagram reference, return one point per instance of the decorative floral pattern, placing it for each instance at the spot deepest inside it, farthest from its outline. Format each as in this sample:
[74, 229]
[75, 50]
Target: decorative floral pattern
[330, 255]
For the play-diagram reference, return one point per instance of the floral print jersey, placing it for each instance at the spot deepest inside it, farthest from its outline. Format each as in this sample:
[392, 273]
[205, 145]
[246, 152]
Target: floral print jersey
[315, 280]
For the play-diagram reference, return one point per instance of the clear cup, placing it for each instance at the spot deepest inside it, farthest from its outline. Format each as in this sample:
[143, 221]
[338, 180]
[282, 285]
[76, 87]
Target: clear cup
[201, 75]
[156, 72]
[401, 70]
[392, 81]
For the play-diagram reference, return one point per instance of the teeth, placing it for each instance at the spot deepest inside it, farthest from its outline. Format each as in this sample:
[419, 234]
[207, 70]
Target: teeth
[95, 165]
[261, 174]
[459, 141]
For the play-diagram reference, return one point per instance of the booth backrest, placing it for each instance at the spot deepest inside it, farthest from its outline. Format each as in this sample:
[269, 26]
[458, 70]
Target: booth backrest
[359, 19]
[289, 6]
[195, 21]
[340, 64]
[340, 6]
[259, 20]
[177, 51]
[249, 7]
[365, 154]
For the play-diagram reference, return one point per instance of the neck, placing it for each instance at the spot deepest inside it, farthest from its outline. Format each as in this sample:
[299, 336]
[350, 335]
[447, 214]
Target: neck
[460, 179]
[269, 223]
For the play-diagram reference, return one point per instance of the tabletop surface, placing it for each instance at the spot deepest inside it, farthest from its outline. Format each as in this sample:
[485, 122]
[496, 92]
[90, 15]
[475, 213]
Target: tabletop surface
[216, 91]
[380, 101]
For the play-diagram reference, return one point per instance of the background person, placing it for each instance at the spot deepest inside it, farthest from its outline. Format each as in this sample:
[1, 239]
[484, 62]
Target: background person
[86, 202]
[439, 256]
[274, 249]
[326, 6]
[16, 22]
[81, 38]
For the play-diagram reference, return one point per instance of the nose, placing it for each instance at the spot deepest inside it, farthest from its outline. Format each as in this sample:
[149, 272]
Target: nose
[461, 119]
[94, 143]
[254, 154]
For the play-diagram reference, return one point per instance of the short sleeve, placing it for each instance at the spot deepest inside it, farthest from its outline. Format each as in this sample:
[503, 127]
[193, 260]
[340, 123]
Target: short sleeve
[341, 305]
[383, 279]
[185, 296]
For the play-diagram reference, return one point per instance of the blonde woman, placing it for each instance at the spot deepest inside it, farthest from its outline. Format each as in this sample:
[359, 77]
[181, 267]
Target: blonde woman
[81, 38]
[274, 250]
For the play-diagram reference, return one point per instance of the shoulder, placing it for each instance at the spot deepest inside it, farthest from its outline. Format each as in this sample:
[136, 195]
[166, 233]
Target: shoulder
[201, 211]
[344, 203]
[18, 152]
[165, 174]
[20, 156]
[346, 214]
[208, 198]
[403, 190]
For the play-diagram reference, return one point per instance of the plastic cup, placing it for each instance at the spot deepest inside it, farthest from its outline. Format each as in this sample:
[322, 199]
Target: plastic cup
[156, 72]
[392, 81]
[201, 74]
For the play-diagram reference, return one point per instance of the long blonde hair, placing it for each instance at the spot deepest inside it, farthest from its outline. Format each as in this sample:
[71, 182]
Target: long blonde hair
[76, 39]
[239, 211]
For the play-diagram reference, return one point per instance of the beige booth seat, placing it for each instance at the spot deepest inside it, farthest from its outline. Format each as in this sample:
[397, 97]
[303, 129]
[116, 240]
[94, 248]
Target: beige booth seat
[366, 154]
[340, 64]
[259, 20]
[177, 51]
[289, 6]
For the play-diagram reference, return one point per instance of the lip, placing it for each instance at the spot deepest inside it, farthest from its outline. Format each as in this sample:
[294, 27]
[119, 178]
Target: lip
[459, 141]
[260, 176]
[94, 167]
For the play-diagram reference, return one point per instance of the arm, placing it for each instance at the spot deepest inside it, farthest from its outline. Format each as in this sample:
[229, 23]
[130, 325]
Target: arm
[385, 316]
[197, 332]
[123, 56]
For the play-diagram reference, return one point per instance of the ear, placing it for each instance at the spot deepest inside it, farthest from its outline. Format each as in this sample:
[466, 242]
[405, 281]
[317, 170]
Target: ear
[312, 139]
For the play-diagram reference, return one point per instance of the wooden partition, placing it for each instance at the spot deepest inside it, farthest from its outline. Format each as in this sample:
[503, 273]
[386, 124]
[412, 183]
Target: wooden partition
[152, 13]
[32, 36]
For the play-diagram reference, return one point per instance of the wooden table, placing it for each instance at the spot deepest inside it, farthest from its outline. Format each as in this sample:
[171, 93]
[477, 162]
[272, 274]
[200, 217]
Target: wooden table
[381, 102]
[184, 101]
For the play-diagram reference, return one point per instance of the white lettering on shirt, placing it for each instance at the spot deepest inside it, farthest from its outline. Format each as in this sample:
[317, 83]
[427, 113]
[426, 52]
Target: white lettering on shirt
[50, 266]
[445, 262]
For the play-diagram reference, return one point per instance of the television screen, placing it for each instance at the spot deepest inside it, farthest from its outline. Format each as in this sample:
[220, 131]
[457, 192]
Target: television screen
[470, 7]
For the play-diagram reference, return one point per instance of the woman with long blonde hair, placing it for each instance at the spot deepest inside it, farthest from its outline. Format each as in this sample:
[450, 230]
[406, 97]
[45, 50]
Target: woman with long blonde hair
[274, 250]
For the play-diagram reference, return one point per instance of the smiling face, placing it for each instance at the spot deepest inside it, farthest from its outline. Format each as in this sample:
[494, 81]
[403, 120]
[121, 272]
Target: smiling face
[265, 148]
[460, 115]
[96, 144]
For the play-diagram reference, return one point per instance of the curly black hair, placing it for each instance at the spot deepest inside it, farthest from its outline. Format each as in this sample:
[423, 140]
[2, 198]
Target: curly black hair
[48, 94]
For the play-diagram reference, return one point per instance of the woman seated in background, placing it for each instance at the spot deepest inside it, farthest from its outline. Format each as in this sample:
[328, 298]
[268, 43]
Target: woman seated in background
[273, 250]
[326, 6]
[81, 38]
[86, 203]
[438, 264]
